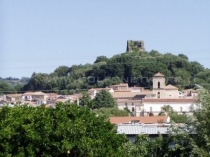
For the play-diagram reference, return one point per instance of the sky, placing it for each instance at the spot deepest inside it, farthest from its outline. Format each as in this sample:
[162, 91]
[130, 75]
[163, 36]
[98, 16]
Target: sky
[41, 35]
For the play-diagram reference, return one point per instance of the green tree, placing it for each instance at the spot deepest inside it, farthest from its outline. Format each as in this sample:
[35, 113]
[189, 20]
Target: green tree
[67, 130]
[85, 100]
[62, 71]
[175, 117]
[101, 59]
[6, 88]
[104, 99]
[200, 125]
[111, 112]
[183, 56]
[38, 81]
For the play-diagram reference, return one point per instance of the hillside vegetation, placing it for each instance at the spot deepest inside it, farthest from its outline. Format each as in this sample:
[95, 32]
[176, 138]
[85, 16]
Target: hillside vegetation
[137, 68]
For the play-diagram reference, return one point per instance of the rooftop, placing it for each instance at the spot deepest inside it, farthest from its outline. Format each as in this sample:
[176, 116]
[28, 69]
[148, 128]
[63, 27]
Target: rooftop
[135, 129]
[158, 75]
[170, 87]
[35, 93]
[143, 119]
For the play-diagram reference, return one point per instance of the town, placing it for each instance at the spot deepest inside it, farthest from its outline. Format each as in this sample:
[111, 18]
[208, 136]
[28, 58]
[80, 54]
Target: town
[145, 105]
[104, 78]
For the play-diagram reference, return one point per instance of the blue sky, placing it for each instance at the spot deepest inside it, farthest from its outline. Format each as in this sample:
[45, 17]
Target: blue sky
[40, 35]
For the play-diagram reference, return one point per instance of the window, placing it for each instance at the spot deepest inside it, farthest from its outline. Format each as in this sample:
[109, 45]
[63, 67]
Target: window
[133, 109]
[158, 84]
[158, 95]
[150, 109]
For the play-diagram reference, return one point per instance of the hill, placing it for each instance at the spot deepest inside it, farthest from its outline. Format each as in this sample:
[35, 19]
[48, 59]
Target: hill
[136, 68]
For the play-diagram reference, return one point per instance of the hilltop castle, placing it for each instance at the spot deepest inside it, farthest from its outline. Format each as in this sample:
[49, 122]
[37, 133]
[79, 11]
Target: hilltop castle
[135, 45]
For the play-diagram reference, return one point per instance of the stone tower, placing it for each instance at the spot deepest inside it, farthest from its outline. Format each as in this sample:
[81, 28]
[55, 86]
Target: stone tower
[135, 45]
[159, 85]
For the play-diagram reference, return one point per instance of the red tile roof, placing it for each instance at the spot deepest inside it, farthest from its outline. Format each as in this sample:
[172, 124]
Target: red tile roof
[35, 93]
[145, 119]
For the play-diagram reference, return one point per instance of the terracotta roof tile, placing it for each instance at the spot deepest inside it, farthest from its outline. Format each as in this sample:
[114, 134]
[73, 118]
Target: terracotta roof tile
[145, 119]
[126, 94]
[35, 93]
[118, 95]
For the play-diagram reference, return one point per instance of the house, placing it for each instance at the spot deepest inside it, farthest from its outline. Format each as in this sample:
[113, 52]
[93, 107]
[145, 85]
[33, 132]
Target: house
[133, 130]
[125, 87]
[155, 106]
[131, 100]
[3, 97]
[38, 97]
[133, 126]
[93, 91]
[190, 93]
[119, 87]
[140, 120]
[167, 95]
[76, 98]
[132, 105]
[143, 102]
[14, 98]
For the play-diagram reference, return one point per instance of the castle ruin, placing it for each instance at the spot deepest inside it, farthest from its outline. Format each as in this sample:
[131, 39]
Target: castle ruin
[135, 46]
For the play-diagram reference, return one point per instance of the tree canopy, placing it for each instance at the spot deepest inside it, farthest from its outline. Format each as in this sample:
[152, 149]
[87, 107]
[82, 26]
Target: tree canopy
[67, 130]
[125, 67]
[104, 99]
[131, 68]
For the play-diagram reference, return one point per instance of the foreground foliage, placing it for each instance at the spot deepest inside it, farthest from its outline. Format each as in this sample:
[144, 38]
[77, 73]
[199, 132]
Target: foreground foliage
[65, 130]
[111, 112]
[70, 130]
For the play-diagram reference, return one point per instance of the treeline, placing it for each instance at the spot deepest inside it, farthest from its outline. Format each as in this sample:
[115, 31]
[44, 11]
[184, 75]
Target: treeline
[136, 68]
[12, 85]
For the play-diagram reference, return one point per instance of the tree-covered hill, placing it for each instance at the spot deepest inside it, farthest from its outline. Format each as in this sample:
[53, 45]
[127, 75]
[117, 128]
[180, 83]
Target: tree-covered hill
[136, 68]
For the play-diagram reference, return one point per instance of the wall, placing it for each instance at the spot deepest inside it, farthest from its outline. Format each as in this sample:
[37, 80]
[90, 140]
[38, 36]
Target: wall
[177, 107]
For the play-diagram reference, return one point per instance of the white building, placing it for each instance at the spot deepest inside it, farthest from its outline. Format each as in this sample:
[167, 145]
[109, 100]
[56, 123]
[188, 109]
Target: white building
[144, 102]
[178, 105]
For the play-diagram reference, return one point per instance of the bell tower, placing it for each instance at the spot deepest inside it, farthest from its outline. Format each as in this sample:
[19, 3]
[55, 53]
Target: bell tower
[159, 85]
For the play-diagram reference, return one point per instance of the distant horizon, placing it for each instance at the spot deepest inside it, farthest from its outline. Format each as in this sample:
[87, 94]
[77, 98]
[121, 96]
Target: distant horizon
[39, 36]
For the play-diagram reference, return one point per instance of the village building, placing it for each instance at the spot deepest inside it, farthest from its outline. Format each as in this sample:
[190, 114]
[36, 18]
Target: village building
[140, 120]
[37, 97]
[143, 102]
[149, 125]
